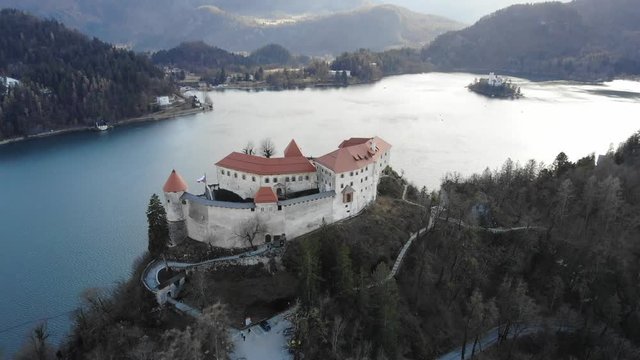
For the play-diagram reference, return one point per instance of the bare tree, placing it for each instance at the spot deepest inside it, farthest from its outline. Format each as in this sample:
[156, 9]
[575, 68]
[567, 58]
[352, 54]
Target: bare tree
[249, 149]
[37, 348]
[267, 148]
[250, 229]
[337, 330]
[208, 338]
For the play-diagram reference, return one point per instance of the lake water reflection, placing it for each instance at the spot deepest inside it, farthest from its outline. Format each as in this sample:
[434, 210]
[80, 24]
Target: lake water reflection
[73, 206]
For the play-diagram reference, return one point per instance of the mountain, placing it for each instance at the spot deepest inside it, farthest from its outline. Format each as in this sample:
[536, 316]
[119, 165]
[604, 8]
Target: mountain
[67, 79]
[245, 25]
[583, 39]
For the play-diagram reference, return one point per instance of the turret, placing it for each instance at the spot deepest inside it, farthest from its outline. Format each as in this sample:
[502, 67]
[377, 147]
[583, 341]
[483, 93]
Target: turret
[173, 190]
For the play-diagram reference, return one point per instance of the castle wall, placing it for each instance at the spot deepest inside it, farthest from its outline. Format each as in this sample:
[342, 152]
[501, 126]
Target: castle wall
[247, 184]
[174, 206]
[307, 216]
[177, 231]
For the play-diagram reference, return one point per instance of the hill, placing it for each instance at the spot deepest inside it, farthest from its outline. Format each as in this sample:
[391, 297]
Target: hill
[66, 79]
[153, 25]
[583, 40]
[198, 55]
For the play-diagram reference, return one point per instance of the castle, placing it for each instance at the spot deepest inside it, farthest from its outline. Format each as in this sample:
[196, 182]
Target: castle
[261, 200]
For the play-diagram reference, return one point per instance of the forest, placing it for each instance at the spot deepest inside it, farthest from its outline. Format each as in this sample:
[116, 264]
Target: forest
[68, 80]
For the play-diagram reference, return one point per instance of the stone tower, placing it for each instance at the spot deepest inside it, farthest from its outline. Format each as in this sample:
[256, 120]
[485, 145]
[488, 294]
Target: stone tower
[173, 190]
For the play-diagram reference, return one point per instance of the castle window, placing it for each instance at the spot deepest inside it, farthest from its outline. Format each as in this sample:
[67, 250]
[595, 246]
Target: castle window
[342, 176]
[253, 178]
[352, 183]
[244, 177]
[266, 180]
[275, 180]
[361, 181]
[235, 175]
[366, 178]
[341, 186]
[300, 178]
[222, 171]
[228, 173]
[306, 177]
[279, 207]
[367, 168]
[253, 209]
[286, 179]
[351, 173]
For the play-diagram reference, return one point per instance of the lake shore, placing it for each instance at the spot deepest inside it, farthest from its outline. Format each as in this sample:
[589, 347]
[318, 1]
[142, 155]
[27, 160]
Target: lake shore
[157, 116]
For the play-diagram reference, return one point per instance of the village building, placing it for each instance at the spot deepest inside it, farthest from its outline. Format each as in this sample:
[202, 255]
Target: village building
[260, 200]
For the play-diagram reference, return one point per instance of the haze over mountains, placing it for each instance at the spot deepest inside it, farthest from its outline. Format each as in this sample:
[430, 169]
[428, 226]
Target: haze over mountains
[313, 29]
[582, 40]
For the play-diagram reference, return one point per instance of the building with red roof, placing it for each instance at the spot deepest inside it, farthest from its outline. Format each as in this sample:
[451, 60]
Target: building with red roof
[175, 183]
[292, 150]
[265, 195]
[245, 174]
[278, 197]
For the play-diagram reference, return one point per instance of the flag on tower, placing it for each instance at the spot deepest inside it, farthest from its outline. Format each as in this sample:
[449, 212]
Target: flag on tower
[203, 179]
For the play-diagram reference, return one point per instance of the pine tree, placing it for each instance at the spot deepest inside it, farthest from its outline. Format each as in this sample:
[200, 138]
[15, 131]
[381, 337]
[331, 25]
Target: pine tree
[158, 229]
[344, 272]
[309, 273]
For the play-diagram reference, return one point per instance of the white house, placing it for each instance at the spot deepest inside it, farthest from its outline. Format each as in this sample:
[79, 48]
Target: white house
[9, 82]
[163, 101]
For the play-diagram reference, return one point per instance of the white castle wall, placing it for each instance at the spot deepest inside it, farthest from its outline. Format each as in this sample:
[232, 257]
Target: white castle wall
[220, 226]
[174, 206]
[307, 216]
[247, 184]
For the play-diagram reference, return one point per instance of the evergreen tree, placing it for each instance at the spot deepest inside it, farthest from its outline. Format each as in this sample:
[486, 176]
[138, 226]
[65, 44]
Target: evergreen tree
[309, 273]
[344, 272]
[158, 229]
[385, 302]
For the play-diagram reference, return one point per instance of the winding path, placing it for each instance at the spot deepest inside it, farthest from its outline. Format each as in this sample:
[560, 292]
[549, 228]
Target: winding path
[151, 281]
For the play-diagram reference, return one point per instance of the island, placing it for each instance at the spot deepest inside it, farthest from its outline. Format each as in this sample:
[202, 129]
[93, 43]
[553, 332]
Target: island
[495, 87]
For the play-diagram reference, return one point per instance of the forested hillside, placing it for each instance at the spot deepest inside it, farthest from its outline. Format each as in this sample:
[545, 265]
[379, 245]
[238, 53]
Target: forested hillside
[67, 79]
[200, 57]
[304, 27]
[546, 254]
[583, 39]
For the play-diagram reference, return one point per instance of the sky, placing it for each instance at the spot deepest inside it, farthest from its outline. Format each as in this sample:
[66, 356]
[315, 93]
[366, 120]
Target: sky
[466, 11]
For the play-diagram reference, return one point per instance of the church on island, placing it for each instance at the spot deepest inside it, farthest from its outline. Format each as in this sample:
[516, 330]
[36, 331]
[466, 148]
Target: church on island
[261, 200]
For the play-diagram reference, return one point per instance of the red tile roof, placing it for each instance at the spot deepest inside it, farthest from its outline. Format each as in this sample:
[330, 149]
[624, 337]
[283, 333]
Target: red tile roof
[175, 183]
[265, 195]
[353, 141]
[262, 166]
[354, 154]
[292, 150]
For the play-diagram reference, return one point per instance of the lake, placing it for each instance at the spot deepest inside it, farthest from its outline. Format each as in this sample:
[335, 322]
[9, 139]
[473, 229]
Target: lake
[73, 206]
